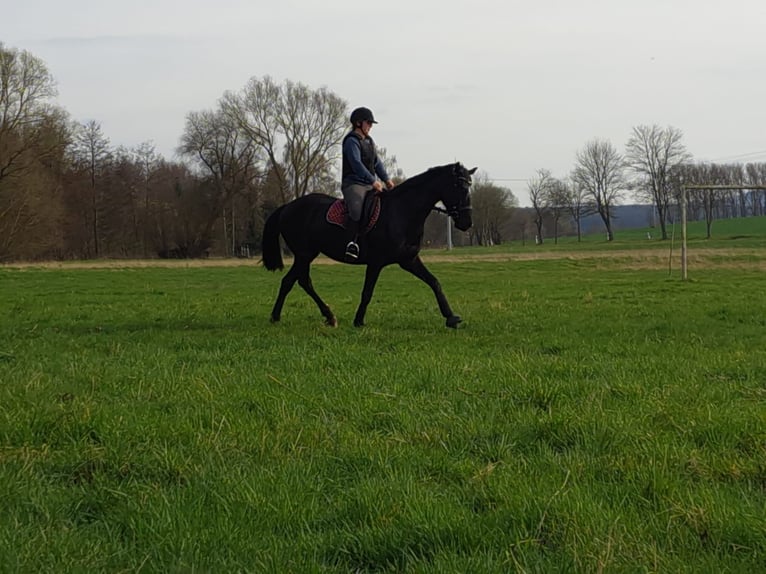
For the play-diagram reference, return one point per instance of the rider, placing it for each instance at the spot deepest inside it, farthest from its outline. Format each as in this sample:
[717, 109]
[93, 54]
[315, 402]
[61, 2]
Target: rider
[361, 165]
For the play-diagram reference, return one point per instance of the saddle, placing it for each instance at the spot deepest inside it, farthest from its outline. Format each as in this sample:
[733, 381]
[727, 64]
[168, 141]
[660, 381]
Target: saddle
[337, 214]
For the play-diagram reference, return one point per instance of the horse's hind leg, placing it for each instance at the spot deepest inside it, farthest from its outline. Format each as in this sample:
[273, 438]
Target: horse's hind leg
[304, 280]
[287, 284]
[300, 272]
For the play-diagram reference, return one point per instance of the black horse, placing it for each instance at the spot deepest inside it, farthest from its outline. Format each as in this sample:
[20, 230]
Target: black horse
[395, 238]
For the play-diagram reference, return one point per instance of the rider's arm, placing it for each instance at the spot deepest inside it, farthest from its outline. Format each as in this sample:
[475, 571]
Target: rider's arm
[380, 170]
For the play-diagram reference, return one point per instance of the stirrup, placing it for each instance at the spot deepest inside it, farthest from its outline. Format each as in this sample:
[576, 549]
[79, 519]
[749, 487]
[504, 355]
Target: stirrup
[352, 250]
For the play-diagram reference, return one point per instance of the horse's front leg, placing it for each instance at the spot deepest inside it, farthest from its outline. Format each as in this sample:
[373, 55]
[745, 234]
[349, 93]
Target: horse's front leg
[370, 279]
[418, 269]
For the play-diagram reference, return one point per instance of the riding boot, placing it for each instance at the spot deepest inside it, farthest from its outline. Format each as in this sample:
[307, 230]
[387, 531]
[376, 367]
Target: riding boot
[352, 249]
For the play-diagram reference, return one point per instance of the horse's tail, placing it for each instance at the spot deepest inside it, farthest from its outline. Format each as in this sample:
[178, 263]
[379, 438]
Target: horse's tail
[272, 253]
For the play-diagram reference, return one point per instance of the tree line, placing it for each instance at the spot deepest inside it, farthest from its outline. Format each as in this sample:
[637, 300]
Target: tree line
[67, 193]
[653, 169]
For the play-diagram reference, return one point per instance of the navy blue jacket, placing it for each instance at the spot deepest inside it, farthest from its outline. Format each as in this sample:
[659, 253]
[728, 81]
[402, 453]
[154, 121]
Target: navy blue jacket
[360, 161]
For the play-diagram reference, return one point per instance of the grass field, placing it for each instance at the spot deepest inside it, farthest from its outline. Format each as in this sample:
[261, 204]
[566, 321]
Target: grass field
[593, 414]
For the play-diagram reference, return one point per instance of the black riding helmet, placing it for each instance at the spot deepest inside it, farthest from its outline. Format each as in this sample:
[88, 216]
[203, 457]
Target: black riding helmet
[360, 115]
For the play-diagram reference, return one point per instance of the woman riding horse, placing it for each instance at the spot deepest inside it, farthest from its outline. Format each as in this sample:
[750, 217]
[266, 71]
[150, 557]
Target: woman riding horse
[395, 238]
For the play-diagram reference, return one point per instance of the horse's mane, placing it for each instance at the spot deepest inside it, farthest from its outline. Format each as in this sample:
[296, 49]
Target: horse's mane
[417, 180]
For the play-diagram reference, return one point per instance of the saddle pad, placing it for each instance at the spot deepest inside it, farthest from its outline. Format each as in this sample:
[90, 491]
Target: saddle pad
[337, 213]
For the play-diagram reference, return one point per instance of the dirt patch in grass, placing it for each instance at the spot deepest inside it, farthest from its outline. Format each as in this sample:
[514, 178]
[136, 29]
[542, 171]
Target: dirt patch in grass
[134, 264]
[627, 258]
[631, 258]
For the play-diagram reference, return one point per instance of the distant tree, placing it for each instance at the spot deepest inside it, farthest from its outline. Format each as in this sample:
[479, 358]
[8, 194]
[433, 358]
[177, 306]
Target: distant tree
[225, 154]
[756, 176]
[148, 163]
[395, 172]
[600, 171]
[128, 217]
[539, 191]
[34, 135]
[556, 199]
[577, 204]
[702, 202]
[26, 88]
[181, 204]
[93, 156]
[520, 222]
[298, 129]
[651, 152]
[733, 201]
[492, 207]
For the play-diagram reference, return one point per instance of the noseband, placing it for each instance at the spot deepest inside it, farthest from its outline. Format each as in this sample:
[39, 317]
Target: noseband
[455, 210]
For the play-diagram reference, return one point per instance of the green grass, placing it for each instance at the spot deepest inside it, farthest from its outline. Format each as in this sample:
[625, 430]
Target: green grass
[588, 417]
[746, 232]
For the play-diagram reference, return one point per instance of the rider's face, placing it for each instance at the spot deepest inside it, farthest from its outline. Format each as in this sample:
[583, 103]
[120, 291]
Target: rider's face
[366, 127]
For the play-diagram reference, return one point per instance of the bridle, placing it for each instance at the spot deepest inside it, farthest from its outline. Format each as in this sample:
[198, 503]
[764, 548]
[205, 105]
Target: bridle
[453, 212]
[462, 183]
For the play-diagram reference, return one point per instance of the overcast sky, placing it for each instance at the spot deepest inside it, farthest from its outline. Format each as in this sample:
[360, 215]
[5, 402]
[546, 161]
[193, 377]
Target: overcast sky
[505, 85]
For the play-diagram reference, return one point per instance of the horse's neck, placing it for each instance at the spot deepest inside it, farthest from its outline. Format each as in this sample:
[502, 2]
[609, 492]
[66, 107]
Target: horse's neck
[423, 199]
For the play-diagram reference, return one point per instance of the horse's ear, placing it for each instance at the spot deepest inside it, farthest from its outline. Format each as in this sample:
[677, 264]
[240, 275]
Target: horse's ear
[472, 171]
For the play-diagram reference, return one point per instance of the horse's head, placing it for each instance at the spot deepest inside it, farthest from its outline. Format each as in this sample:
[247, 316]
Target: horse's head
[457, 199]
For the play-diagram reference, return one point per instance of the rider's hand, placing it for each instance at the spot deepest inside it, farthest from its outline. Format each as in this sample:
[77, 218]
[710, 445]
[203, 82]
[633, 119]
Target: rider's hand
[377, 186]
[390, 184]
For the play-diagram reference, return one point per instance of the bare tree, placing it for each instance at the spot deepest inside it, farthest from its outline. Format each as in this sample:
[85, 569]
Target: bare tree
[214, 141]
[298, 129]
[148, 162]
[33, 138]
[577, 204]
[702, 202]
[599, 170]
[539, 189]
[524, 222]
[313, 124]
[129, 221]
[93, 155]
[393, 170]
[651, 152]
[756, 175]
[733, 202]
[26, 86]
[557, 198]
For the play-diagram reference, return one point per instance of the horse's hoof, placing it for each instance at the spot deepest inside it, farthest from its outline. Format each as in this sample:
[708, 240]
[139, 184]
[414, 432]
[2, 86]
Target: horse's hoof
[358, 323]
[274, 319]
[332, 322]
[454, 321]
